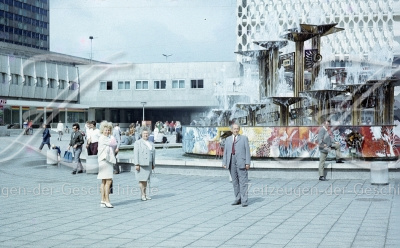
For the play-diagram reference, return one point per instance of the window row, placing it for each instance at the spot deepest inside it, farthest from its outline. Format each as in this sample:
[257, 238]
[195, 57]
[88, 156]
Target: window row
[39, 82]
[22, 32]
[26, 6]
[157, 84]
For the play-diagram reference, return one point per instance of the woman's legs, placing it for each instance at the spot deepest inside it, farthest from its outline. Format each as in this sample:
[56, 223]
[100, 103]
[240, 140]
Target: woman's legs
[143, 185]
[107, 190]
[102, 190]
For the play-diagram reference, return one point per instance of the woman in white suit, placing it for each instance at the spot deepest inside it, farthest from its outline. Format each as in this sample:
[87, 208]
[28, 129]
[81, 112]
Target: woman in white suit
[106, 158]
[144, 158]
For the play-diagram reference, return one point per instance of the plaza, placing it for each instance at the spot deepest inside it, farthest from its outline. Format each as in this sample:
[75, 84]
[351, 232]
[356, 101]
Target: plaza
[45, 206]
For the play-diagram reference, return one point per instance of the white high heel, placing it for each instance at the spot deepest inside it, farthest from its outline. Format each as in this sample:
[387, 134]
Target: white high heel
[108, 205]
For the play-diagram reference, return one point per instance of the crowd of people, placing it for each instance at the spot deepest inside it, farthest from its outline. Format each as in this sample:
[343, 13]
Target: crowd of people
[104, 140]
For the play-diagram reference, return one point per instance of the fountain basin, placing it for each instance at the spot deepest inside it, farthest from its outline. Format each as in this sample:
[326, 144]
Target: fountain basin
[378, 141]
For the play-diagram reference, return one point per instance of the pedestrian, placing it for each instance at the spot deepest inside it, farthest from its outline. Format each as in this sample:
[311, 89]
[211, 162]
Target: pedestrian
[325, 144]
[124, 139]
[60, 129]
[117, 135]
[93, 139]
[30, 128]
[45, 137]
[54, 147]
[106, 158]
[25, 126]
[144, 160]
[237, 159]
[76, 143]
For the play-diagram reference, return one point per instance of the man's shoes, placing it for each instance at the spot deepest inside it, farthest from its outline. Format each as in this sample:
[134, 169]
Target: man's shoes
[322, 178]
[244, 205]
[73, 173]
[339, 161]
[236, 203]
[116, 172]
[81, 171]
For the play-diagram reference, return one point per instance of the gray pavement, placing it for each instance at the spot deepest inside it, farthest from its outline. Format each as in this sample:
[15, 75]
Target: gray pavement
[45, 206]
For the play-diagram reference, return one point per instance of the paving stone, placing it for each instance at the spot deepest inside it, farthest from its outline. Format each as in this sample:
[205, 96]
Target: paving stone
[192, 211]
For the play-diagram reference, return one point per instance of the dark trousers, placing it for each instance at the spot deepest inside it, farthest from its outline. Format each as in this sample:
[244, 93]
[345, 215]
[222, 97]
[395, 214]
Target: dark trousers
[42, 144]
[239, 181]
[93, 148]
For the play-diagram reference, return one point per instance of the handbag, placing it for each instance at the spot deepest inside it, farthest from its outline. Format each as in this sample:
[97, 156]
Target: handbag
[67, 157]
[154, 180]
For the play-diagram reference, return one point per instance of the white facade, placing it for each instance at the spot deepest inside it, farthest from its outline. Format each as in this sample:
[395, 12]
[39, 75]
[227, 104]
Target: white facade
[120, 86]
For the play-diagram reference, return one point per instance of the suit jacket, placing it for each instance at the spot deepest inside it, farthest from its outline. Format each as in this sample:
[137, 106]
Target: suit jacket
[76, 139]
[242, 151]
[324, 139]
[141, 153]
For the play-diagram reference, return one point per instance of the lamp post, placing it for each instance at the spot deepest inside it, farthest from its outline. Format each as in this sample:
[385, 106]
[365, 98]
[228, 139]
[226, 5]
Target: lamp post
[91, 51]
[166, 56]
[143, 103]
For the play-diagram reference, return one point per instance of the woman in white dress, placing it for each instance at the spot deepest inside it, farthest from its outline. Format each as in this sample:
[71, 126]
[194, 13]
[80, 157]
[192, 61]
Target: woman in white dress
[144, 159]
[106, 158]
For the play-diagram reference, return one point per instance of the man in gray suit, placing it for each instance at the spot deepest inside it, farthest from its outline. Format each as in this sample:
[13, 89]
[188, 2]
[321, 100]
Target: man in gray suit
[237, 160]
[325, 145]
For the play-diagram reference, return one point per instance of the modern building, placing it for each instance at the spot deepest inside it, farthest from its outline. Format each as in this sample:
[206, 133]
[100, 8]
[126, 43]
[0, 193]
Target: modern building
[126, 93]
[25, 23]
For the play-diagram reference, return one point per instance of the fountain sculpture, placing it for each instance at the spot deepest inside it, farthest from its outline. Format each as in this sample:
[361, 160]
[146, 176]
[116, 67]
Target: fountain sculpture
[286, 120]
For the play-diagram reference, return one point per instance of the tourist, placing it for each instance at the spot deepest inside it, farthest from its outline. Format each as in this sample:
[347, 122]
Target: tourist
[57, 148]
[76, 143]
[93, 139]
[25, 126]
[45, 137]
[30, 128]
[124, 139]
[60, 129]
[237, 159]
[325, 144]
[171, 127]
[117, 135]
[106, 157]
[144, 161]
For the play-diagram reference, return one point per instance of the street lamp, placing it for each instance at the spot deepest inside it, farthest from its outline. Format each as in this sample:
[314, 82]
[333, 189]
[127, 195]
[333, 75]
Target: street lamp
[166, 56]
[91, 50]
[143, 103]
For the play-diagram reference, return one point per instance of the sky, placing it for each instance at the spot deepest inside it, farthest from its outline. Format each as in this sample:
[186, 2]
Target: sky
[140, 31]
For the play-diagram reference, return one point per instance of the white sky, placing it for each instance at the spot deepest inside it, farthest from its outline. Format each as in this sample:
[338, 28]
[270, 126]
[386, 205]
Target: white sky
[140, 31]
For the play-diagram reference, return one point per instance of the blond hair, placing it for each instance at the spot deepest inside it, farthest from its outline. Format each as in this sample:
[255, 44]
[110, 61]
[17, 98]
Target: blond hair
[104, 125]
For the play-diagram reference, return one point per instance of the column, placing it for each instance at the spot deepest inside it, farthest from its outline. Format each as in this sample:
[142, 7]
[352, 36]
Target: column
[91, 114]
[20, 116]
[107, 114]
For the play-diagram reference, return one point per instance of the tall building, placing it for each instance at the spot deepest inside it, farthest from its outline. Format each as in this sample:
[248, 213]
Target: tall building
[25, 23]
[369, 25]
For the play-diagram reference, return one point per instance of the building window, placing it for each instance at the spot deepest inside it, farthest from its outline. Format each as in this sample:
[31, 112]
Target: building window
[178, 84]
[197, 83]
[3, 78]
[62, 84]
[106, 85]
[73, 85]
[52, 83]
[142, 85]
[160, 84]
[39, 82]
[14, 79]
[124, 85]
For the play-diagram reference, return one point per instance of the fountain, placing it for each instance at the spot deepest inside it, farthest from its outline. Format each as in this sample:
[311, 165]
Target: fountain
[296, 93]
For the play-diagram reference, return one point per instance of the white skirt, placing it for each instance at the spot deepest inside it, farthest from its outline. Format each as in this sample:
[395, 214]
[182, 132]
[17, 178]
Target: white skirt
[106, 170]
